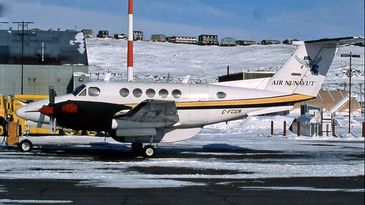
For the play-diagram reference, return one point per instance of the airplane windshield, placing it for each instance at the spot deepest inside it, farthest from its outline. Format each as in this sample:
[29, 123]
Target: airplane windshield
[78, 89]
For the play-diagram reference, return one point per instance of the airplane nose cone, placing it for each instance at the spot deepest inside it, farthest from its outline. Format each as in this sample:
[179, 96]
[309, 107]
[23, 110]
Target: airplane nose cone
[21, 112]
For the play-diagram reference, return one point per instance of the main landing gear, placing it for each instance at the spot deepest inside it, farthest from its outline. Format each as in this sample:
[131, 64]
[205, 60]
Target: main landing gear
[147, 151]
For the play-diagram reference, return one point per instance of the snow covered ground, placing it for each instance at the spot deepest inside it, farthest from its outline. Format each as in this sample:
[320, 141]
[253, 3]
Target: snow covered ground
[210, 155]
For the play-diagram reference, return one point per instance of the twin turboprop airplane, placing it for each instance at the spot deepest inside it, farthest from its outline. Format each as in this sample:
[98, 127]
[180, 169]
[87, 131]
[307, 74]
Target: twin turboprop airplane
[149, 113]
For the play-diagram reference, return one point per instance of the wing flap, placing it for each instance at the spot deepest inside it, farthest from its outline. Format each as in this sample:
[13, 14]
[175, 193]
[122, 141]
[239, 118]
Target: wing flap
[151, 113]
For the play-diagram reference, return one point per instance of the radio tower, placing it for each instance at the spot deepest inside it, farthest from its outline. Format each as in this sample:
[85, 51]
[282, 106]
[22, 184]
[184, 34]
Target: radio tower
[130, 41]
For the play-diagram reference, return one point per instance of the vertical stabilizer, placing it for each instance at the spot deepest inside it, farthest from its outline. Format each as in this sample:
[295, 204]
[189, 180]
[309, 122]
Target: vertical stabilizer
[305, 70]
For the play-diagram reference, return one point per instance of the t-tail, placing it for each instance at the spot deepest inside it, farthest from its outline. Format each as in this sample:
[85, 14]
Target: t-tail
[305, 70]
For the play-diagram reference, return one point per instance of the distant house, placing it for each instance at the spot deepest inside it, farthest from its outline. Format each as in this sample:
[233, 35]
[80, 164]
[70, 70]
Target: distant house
[228, 41]
[138, 36]
[88, 33]
[103, 34]
[269, 42]
[245, 42]
[158, 38]
[183, 39]
[120, 36]
[207, 39]
[289, 41]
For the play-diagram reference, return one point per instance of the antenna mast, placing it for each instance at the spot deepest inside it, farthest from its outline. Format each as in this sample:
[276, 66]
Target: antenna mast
[130, 41]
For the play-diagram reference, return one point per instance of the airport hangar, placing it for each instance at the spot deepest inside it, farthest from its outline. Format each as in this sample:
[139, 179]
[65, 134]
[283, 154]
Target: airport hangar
[33, 60]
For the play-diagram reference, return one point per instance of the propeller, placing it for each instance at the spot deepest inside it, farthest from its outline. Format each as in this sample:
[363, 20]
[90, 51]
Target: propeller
[49, 109]
[52, 95]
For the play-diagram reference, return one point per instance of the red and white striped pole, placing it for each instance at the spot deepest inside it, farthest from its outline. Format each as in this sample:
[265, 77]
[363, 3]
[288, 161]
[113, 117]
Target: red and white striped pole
[130, 41]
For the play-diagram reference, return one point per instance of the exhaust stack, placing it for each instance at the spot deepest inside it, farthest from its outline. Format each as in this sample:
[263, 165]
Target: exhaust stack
[130, 41]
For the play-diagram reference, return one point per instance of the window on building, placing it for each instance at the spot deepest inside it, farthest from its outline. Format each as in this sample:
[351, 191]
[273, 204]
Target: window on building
[163, 93]
[94, 91]
[137, 92]
[124, 92]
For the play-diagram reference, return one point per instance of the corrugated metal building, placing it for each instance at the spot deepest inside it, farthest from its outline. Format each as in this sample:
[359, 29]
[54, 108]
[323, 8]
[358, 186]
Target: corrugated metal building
[49, 58]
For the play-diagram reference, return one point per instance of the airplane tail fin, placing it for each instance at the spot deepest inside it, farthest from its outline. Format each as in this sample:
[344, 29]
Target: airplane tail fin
[305, 70]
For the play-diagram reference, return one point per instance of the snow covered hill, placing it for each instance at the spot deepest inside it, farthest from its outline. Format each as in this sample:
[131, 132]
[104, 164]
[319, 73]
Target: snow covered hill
[206, 62]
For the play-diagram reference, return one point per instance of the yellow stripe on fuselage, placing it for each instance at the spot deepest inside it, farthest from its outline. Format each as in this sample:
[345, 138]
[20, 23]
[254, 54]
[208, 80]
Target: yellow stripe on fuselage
[242, 102]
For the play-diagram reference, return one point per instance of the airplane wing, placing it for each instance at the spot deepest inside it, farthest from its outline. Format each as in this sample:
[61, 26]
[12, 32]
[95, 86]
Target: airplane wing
[153, 112]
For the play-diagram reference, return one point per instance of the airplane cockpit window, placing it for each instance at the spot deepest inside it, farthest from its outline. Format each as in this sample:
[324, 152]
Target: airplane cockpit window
[176, 93]
[163, 93]
[221, 95]
[94, 91]
[124, 92]
[78, 89]
[137, 92]
[150, 93]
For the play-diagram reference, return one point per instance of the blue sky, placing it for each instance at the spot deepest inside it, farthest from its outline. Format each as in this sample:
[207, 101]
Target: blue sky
[242, 19]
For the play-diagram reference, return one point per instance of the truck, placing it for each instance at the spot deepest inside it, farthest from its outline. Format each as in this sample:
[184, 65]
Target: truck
[10, 104]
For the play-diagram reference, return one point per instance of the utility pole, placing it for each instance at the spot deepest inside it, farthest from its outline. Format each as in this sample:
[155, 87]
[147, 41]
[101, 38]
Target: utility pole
[350, 75]
[22, 25]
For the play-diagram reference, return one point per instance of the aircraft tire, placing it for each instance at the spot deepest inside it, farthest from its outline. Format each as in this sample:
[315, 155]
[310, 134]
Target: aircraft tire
[25, 146]
[148, 151]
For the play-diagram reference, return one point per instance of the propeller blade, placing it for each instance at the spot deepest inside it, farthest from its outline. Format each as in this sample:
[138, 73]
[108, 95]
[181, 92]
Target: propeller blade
[52, 95]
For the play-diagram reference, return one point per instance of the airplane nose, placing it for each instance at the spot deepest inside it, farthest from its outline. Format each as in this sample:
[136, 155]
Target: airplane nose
[21, 112]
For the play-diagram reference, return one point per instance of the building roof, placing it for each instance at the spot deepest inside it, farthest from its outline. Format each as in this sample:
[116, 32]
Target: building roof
[330, 99]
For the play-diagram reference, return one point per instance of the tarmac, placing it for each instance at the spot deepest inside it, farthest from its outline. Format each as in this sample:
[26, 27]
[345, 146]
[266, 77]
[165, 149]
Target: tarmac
[180, 174]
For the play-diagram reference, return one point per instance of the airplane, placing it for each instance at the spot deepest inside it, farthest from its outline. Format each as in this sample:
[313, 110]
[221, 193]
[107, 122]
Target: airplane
[145, 114]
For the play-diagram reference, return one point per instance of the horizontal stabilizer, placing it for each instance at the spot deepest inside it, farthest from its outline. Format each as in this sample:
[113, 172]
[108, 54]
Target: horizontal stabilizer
[341, 41]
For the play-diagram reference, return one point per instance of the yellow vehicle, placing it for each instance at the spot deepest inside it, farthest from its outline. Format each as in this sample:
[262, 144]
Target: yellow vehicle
[8, 108]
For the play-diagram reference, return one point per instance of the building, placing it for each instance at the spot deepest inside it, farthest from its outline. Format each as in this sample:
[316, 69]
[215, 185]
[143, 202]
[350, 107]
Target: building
[206, 39]
[245, 42]
[103, 34]
[289, 41]
[228, 41]
[88, 33]
[269, 42]
[138, 36]
[158, 38]
[183, 39]
[49, 58]
[338, 101]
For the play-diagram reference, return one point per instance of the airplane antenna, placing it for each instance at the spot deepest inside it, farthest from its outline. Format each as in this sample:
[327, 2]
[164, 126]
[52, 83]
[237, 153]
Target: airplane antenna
[130, 41]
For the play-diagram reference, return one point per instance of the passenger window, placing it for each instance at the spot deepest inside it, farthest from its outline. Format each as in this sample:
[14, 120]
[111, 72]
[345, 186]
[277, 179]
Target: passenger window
[137, 92]
[124, 92]
[94, 91]
[150, 93]
[163, 93]
[176, 93]
[221, 95]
